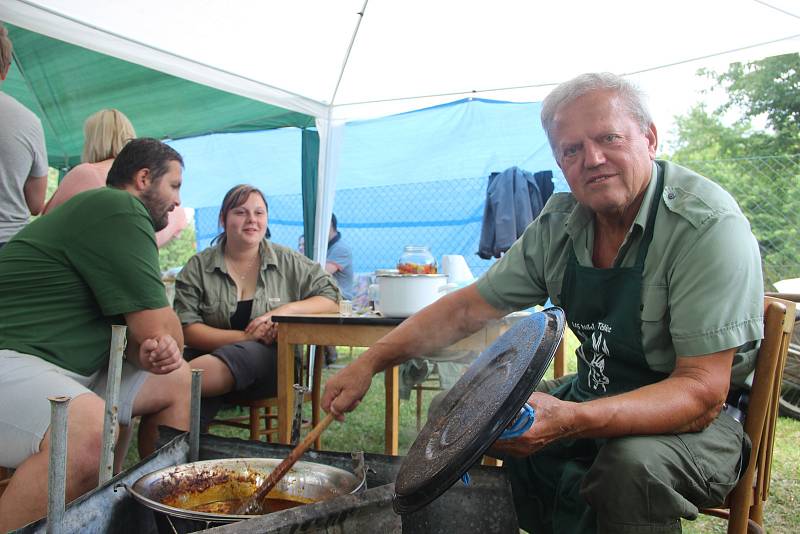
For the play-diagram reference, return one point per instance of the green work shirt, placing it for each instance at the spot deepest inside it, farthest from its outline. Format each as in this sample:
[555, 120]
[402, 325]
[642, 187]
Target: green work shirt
[205, 292]
[702, 285]
[69, 275]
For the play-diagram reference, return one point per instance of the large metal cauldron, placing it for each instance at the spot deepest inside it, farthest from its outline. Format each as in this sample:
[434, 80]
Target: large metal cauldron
[202, 494]
[484, 506]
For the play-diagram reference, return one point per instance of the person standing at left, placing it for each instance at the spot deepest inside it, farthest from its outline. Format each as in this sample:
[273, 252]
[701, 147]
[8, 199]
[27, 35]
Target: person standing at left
[23, 158]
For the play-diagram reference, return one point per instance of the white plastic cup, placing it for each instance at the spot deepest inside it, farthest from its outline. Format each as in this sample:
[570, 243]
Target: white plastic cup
[456, 268]
[345, 308]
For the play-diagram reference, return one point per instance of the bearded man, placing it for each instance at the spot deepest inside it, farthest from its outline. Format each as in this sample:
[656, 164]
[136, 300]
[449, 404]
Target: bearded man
[64, 280]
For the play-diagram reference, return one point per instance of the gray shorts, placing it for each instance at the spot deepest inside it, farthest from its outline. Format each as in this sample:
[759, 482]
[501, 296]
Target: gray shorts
[25, 383]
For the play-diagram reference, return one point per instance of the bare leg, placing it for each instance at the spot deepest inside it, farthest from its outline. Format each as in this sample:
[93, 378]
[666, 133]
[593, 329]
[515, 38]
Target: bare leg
[162, 400]
[25, 498]
[123, 442]
[217, 377]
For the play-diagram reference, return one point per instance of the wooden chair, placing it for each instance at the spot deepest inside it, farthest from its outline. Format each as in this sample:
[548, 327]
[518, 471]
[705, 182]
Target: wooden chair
[744, 507]
[790, 390]
[262, 418]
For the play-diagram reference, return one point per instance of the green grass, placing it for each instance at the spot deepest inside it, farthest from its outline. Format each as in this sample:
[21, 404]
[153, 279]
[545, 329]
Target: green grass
[364, 430]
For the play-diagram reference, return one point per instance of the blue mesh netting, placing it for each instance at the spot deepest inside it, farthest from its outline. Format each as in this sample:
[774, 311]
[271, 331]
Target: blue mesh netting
[376, 222]
[417, 178]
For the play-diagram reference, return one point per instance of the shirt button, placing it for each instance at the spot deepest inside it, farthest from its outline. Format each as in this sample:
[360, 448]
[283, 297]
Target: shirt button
[671, 196]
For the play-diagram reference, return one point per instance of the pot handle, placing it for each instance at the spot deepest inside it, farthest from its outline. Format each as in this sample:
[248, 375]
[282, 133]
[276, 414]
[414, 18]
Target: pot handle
[359, 470]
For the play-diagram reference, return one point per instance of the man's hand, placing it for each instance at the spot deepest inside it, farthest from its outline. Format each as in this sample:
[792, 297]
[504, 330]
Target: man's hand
[160, 355]
[554, 419]
[344, 391]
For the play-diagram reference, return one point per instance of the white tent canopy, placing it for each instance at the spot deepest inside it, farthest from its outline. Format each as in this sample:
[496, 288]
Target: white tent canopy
[345, 59]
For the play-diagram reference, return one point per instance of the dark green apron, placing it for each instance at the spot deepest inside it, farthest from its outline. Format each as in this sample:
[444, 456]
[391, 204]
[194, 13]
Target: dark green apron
[603, 308]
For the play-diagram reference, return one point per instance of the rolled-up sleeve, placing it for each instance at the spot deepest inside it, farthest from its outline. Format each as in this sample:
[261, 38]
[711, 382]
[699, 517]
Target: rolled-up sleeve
[189, 292]
[716, 290]
[314, 281]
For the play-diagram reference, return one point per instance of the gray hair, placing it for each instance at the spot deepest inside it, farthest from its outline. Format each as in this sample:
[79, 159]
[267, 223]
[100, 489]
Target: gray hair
[632, 98]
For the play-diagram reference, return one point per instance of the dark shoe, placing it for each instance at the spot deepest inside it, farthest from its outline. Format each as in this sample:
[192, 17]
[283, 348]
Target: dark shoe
[330, 355]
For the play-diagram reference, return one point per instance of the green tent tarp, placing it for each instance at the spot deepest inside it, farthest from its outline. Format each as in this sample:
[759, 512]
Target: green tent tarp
[64, 84]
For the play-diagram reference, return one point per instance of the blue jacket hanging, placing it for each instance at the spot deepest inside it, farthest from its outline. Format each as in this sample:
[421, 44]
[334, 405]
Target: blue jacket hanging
[514, 198]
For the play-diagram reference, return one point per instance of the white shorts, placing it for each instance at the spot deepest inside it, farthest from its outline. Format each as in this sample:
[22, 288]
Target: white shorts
[27, 381]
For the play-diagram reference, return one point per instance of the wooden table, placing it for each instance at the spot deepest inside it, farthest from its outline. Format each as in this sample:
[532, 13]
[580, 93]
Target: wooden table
[352, 331]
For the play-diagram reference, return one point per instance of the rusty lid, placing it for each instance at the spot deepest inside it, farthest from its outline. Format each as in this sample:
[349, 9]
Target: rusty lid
[477, 409]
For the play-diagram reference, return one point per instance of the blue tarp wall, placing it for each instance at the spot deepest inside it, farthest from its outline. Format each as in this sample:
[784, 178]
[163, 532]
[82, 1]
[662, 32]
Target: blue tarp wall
[417, 178]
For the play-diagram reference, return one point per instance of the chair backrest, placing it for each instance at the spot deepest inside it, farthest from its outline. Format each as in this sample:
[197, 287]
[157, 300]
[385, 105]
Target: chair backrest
[748, 498]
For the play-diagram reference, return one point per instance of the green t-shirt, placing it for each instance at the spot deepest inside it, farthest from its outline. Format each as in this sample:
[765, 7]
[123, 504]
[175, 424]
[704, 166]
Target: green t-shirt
[69, 275]
[702, 286]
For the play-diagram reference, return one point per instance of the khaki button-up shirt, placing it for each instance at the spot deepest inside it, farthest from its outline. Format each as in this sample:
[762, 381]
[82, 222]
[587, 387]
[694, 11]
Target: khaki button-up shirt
[205, 292]
[702, 284]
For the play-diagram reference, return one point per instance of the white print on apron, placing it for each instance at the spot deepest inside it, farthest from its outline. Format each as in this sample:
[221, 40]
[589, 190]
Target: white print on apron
[597, 377]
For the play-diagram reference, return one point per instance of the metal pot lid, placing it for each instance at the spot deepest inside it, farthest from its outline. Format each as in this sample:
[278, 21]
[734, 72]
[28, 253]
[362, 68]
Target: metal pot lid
[477, 409]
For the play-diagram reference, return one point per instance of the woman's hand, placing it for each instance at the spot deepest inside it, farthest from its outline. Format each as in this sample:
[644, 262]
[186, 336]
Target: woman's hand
[262, 329]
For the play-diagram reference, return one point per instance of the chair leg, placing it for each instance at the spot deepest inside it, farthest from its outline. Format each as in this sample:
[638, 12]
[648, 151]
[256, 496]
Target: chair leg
[255, 416]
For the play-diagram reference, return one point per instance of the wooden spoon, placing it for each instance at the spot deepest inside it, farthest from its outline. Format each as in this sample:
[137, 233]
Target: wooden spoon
[254, 505]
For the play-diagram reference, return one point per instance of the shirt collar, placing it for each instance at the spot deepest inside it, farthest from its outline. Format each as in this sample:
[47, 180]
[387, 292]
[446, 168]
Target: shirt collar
[266, 250]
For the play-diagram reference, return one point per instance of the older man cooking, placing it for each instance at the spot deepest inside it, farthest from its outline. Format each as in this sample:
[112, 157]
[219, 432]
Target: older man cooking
[660, 278]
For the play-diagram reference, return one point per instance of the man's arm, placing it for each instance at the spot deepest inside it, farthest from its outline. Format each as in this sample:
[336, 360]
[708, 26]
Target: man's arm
[686, 401]
[444, 322]
[155, 339]
[35, 189]
[332, 267]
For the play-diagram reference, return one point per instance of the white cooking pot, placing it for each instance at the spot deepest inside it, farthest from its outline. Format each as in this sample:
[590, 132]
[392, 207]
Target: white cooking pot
[402, 295]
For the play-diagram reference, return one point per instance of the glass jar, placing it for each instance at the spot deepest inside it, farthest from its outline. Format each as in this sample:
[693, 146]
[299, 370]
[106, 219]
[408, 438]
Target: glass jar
[417, 260]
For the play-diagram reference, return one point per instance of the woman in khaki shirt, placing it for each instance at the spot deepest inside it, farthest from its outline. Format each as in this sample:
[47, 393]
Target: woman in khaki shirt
[226, 295]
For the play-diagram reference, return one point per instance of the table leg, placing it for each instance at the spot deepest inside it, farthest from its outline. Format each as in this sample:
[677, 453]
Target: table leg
[285, 382]
[392, 409]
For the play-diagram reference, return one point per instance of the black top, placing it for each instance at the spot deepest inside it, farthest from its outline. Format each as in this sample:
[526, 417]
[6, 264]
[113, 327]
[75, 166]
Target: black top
[241, 317]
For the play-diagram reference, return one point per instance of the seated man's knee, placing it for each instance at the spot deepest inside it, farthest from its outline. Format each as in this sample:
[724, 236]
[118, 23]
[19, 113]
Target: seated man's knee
[85, 417]
[181, 382]
[622, 467]
[632, 481]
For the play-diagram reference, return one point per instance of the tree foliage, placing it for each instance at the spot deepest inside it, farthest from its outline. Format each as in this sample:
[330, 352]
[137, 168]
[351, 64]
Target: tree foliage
[761, 169]
[178, 251]
[769, 87]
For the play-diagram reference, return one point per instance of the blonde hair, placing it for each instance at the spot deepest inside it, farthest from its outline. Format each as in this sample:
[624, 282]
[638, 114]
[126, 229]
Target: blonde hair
[104, 134]
[6, 49]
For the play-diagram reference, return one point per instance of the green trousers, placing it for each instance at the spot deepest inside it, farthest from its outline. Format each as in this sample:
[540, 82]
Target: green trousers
[632, 484]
